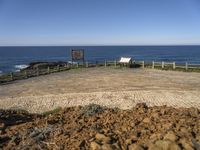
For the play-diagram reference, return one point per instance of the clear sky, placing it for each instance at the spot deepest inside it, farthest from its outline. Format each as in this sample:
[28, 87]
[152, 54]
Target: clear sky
[99, 22]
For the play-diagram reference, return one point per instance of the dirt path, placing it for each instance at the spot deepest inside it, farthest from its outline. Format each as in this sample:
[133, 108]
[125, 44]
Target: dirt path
[106, 86]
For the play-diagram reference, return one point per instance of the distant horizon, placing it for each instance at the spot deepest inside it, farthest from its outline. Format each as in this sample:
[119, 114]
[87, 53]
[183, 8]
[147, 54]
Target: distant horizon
[93, 45]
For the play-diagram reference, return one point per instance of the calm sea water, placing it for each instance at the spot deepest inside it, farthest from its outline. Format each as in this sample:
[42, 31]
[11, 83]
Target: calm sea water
[14, 58]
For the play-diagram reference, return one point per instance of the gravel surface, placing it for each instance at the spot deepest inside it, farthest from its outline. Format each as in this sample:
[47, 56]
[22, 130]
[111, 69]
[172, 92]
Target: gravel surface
[111, 87]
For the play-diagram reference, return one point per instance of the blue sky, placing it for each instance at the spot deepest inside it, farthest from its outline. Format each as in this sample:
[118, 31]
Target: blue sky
[99, 22]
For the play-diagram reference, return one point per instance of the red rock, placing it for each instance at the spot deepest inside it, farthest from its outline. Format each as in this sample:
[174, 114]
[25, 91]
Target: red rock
[102, 138]
[95, 146]
[147, 120]
[170, 136]
[186, 144]
[135, 147]
[164, 145]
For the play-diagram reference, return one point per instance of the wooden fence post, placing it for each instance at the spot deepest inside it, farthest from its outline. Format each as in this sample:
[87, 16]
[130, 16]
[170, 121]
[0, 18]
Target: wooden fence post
[58, 68]
[48, 70]
[86, 64]
[11, 76]
[115, 63]
[25, 74]
[153, 63]
[96, 63]
[142, 64]
[174, 65]
[105, 63]
[186, 66]
[38, 73]
[163, 64]
[68, 66]
[65, 67]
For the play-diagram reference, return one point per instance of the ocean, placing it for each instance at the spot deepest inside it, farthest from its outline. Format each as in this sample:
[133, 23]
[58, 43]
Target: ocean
[16, 57]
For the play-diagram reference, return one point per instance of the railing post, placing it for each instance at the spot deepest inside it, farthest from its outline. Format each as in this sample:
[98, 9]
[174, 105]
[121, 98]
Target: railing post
[65, 67]
[96, 63]
[86, 64]
[68, 65]
[38, 73]
[48, 70]
[105, 63]
[153, 64]
[58, 68]
[186, 66]
[11, 76]
[142, 64]
[115, 63]
[25, 74]
[163, 64]
[174, 65]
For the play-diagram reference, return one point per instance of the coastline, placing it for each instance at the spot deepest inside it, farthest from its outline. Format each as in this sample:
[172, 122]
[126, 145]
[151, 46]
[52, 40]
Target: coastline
[26, 55]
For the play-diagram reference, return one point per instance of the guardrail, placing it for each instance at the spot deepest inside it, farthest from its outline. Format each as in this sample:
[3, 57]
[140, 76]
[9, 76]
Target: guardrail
[28, 73]
[168, 65]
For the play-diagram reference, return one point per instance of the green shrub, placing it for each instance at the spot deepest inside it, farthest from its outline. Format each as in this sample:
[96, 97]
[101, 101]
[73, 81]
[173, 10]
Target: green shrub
[54, 111]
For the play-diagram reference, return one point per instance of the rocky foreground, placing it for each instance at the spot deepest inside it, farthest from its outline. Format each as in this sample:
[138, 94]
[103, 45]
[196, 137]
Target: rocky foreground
[94, 127]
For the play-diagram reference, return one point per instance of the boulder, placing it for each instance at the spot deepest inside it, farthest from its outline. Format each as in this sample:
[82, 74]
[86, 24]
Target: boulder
[135, 147]
[170, 136]
[95, 146]
[186, 144]
[146, 120]
[155, 115]
[141, 105]
[102, 138]
[107, 147]
[164, 145]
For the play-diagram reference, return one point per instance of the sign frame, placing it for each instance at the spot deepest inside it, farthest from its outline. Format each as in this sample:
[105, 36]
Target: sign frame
[77, 55]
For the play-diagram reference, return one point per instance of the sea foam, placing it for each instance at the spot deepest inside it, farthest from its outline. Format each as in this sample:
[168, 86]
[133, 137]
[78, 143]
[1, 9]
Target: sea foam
[19, 67]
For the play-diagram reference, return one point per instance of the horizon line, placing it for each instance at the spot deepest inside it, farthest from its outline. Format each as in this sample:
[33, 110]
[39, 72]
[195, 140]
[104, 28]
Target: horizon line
[99, 45]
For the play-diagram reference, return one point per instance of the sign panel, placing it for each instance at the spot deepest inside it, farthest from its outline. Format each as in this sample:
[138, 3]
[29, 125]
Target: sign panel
[125, 60]
[77, 54]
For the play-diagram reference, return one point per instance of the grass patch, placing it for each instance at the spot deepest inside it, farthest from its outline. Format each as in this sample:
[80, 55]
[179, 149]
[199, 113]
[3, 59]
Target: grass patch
[51, 112]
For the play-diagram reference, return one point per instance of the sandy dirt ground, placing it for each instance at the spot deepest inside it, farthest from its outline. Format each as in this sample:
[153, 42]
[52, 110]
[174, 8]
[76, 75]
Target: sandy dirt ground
[112, 87]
